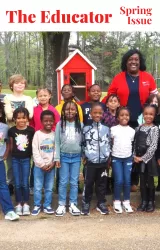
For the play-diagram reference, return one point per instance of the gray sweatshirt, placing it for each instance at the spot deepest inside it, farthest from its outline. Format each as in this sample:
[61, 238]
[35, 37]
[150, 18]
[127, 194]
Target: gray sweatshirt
[67, 141]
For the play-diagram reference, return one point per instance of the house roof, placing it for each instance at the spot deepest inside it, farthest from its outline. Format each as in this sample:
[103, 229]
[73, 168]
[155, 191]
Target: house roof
[77, 51]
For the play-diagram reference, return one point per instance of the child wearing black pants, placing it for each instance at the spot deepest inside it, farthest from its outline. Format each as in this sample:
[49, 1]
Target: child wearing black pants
[96, 149]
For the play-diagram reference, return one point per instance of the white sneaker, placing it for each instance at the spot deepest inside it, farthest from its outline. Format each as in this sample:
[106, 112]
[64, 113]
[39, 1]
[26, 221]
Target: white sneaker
[11, 216]
[61, 210]
[18, 209]
[26, 209]
[117, 207]
[73, 209]
[127, 207]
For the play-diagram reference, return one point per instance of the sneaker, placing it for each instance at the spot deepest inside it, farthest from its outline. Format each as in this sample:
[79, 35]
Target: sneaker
[102, 208]
[73, 209]
[127, 207]
[36, 210]
[85, 208]
[61, 210]
[31, 191]
[26, 209]
[18, 210]
[48, 210]
[117, 207]
[11, 216]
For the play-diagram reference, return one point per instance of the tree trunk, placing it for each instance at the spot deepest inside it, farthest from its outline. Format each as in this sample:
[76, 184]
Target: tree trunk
[55, 52]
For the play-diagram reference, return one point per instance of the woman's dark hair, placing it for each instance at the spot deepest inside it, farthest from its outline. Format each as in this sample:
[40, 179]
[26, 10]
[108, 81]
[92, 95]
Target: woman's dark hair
[20, 110]
[112, 96]
[2, 113]
[150, 100]
[47, 112]
[122, 108]
[64, 120]
[130, 53]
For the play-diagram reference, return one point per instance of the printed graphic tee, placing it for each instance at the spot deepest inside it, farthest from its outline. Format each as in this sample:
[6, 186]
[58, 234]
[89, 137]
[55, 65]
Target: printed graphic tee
[22, 142]
[3, 139]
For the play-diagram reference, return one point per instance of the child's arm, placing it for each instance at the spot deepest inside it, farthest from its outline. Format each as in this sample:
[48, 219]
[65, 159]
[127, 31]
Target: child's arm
[153, 145]
[29, 106]
[38, 160]
[8, 108]
[7, 151]
[57, 145]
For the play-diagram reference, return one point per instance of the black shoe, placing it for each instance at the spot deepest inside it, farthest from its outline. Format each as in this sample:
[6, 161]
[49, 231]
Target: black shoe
[142, 207]
[85, 208]
[102, 208]
[11, 189]
[158, 188]
[150, 207]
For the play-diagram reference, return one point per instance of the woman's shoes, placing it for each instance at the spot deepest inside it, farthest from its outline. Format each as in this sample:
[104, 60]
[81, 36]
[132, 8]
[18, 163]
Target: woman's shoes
[142, 207]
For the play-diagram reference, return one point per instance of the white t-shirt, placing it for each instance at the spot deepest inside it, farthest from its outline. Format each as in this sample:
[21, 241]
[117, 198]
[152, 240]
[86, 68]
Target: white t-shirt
[122, 141]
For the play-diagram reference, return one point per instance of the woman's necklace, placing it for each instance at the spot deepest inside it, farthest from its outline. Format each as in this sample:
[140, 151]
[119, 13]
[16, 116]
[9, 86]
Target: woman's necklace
[133, 78]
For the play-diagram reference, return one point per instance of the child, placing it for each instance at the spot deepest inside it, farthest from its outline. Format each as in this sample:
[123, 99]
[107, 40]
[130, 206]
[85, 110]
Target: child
[109, 116]
[5, 199]
[94, 93]
[43, 152]
[21, 150]
[44, 97]
[68, 156]
[122, 136]
[145, 145]
[67, 92]
[96, 154]
[17, 84]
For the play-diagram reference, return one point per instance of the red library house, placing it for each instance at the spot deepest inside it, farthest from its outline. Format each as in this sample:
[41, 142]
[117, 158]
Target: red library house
[78, 71]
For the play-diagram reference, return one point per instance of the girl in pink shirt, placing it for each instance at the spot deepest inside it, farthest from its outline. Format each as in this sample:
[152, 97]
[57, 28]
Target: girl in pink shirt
[43, 96]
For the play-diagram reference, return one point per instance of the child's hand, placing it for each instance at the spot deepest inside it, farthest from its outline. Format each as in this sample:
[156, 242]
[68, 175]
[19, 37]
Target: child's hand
[50, 166]
[158, 162]
[58, 164]
[137, 159]
[44, 167]
[5, 156]
[83, 161]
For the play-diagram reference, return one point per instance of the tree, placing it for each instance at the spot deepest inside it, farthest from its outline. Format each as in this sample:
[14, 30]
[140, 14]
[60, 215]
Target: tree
[55, 52]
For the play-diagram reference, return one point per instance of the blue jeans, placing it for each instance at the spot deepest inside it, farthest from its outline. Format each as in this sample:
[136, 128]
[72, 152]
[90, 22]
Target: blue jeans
[46, 180]
[69, 172]
[5, 199]
[122, 168]
[21, 171]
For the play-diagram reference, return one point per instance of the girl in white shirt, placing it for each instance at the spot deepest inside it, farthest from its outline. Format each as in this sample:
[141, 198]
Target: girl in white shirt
[122, 136]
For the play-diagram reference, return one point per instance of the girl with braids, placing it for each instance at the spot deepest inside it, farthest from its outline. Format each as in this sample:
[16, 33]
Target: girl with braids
[68, 156]
[5, 200]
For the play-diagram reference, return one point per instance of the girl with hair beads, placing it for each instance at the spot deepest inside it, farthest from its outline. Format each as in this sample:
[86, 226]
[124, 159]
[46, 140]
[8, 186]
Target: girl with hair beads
[21, 137]
[122, 136]
[145, 146]
[5, 199]
[68, 156]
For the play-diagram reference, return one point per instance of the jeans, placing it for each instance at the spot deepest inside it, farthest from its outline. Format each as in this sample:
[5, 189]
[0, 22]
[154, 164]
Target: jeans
[46, 180]
[69, 171]
[10, 178]
[31, 184]
[21, 171]
[5, 199]
[122, 168]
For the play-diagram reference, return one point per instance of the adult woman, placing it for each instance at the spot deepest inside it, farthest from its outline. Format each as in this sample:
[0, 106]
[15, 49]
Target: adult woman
[133, 86]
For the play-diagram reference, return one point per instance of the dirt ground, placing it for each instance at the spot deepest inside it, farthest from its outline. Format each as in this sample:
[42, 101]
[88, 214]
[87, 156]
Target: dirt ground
[126, 231]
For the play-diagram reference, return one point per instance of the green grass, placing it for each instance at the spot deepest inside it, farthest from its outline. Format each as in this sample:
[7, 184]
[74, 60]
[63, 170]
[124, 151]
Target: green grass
[31, 93]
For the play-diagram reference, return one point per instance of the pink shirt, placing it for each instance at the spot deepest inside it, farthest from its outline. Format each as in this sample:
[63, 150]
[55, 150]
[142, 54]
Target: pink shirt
[36, 122]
